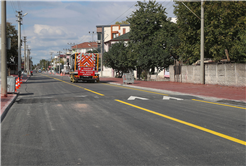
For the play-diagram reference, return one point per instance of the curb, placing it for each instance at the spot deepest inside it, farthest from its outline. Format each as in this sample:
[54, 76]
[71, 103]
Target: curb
[209, 98]
[7, 107]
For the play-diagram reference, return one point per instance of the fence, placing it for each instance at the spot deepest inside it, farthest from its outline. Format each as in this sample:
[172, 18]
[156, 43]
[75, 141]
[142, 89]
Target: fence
[231, 74]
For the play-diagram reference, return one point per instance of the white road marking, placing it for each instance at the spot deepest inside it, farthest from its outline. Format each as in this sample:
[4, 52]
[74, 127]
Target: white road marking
[82, 96]
[136, 97]
[168, 98]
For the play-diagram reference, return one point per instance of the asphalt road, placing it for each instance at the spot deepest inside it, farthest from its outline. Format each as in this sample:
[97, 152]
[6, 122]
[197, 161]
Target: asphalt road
[56, 122]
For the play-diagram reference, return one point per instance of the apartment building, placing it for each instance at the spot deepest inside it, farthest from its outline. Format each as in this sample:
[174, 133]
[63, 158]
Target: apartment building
[106, 33]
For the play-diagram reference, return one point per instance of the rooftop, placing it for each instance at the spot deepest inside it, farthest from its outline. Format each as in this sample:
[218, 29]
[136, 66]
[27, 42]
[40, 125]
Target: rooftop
[86, 45]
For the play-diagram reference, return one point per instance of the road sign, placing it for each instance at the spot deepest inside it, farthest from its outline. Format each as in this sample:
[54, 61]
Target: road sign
[86, 71]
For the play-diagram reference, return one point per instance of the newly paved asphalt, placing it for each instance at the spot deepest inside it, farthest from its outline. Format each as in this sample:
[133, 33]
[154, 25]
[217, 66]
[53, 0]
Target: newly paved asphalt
[56, 122]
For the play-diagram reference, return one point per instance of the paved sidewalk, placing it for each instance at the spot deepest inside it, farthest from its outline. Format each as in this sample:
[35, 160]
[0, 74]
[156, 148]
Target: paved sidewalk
[215, 91]
[6, 102]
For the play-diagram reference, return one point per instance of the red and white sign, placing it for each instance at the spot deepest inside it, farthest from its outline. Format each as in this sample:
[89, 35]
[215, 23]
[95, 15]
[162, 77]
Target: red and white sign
[86, 71]
[86, 60]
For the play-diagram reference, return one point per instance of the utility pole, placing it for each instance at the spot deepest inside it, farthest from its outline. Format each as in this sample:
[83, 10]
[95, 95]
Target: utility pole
[3, 51]
[202, 72]
[51, 58]
[28, 59]
[59, 52]
[101, 57]
[24, 53]
[92, 33]
[19, 40]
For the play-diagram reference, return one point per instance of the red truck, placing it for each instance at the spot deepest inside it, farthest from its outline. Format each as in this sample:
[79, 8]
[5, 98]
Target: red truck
[85, 67]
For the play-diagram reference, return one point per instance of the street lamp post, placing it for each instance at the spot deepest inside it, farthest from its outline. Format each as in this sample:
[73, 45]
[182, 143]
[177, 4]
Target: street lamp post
[91, 35]
[73, 44]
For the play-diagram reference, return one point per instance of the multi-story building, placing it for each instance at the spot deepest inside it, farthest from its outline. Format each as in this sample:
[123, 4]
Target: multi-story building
[106, 33]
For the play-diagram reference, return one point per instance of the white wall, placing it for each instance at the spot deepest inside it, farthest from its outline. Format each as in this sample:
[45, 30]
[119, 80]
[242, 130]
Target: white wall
[231, 74]
[107, 34]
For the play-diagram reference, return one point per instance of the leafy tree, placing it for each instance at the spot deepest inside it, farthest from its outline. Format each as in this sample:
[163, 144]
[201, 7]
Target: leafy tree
[119, 57]
[152, 35]
[122, 22]
[224, 28]
[12, 54]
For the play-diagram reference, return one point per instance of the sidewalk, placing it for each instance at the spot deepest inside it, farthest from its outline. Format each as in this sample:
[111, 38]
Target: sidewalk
[216, 91]
[6, 102]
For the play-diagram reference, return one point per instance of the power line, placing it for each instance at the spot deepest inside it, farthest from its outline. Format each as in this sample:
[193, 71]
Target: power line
[13, 7]
[18, 4]
[124, 12]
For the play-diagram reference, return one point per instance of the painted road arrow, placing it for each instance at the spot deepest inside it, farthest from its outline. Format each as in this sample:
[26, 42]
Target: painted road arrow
[168, 98]
[135, 97]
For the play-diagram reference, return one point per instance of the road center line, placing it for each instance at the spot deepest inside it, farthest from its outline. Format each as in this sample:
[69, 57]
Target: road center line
[77, 86]
[187, 123]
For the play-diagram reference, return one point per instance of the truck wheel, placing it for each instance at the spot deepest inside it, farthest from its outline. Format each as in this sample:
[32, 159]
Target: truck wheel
[72, 78]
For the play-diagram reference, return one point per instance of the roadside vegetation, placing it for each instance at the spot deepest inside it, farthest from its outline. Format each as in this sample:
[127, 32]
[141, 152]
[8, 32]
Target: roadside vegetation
[155, 41]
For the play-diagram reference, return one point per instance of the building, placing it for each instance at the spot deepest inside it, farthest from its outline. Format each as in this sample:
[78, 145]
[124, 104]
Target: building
[84, 47]
[105, 36]
[109, 43]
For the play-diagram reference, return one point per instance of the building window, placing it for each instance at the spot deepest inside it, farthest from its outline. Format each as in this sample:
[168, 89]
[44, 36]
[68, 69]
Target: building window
[115, 35]
[99, 35]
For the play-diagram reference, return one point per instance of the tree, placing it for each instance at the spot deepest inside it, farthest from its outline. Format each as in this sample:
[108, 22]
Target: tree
[12, 54]
[119, 58]
[224, 28]
[122, 22]
[152, 35]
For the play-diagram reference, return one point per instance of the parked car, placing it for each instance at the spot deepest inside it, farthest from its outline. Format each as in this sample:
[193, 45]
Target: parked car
[66, 72]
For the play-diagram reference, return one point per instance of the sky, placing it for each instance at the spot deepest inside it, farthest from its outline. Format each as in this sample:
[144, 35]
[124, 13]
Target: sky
[50, 25]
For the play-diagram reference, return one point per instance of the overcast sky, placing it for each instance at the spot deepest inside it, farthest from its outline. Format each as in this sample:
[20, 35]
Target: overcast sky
[49, 26]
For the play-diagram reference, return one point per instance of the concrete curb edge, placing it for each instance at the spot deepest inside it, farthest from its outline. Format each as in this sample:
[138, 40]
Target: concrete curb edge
[209, 98]
[7, 107]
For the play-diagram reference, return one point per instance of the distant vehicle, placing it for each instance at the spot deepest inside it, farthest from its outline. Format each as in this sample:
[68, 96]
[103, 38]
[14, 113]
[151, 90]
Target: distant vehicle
[66, 72]
[85, 67]
[39, 70]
